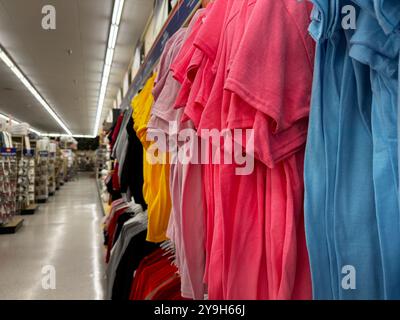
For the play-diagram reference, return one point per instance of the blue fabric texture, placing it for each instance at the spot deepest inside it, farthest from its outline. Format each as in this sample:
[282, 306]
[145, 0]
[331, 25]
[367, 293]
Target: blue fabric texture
[351, 167]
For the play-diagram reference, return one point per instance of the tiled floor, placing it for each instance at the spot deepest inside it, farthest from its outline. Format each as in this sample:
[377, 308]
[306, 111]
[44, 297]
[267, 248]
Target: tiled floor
[61, 246]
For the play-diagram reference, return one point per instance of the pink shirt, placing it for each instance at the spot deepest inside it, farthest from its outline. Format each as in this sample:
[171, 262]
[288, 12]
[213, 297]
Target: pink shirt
[272, 86]
[273, 75]
[166, 87]
[255, 235]
[221, 241]
[208, 41]
[186, 226]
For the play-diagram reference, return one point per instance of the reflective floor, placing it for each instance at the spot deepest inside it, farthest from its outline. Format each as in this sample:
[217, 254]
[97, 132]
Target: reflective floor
[58, 253]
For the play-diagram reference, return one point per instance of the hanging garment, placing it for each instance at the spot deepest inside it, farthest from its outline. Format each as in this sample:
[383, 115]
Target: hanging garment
[186, 225]
[281, 110]
[371, 46]
[121, 145]
[131, 212]
[154, 278]
[188, 69]
[156, 176]
[130, 229]
[341, 223]
[116, 130]
[235, 223]
[137, 249]
[132, 171]
[111, 227]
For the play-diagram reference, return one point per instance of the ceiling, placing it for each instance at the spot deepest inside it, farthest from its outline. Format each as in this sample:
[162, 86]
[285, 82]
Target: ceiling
[69, 83]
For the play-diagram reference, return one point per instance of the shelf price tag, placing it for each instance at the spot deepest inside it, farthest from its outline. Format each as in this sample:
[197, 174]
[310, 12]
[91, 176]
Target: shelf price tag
[29, 153]
[8, 152]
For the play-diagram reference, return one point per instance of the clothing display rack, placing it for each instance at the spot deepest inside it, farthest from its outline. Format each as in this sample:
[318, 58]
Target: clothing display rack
[235, 150]
[127, 222]
[320, 102]
[102, 164]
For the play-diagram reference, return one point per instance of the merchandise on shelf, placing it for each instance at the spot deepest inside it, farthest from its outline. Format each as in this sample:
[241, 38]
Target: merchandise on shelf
[8, 179]
[86, 160]
[59, 168]
[42, 171]
[52, 167]
[31, 179]
[23, 153]
[70, 165]
[102, 157]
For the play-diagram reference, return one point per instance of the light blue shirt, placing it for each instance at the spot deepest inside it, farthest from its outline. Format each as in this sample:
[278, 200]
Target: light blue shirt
[340, 215]
[373, 47]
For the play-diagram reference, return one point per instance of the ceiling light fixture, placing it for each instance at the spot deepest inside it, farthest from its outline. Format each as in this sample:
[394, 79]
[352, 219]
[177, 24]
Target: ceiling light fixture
[67, 135]
[18, 73]
[112, 40]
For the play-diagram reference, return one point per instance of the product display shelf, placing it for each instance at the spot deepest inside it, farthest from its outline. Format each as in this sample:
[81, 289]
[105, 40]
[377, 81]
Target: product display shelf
[102, 156]
[12, 226]
[59, 169]
[32, 181]
[41, 183]
[25, 175]
[52, 174]
[9, 222]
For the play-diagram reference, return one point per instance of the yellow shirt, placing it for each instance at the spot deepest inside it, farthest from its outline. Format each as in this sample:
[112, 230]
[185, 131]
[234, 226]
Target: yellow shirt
[156, 176]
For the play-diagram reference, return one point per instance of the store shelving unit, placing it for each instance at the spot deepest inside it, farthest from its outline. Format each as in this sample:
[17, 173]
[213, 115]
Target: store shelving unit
[51, 173]
[25, 175]
[12, 227]
[59, 169]
[32, 178]
[9, 222]
[102, 156]
[42, 189]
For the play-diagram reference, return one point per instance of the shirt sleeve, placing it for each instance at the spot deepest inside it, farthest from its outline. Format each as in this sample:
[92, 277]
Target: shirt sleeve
[388, 15]
[272, 71]
[271, 80]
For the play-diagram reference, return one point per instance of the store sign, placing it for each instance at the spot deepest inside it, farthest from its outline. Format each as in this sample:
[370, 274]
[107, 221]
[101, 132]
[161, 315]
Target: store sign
[29, 152]
[184, 11]
[8, 152]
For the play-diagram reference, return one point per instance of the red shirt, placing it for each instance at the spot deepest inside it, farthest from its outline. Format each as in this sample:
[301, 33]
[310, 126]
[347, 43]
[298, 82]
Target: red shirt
[112, 226]
[156, 277]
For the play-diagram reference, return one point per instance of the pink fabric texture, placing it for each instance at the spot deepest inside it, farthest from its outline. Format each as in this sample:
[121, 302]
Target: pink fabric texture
[186, 227]
[255, 243]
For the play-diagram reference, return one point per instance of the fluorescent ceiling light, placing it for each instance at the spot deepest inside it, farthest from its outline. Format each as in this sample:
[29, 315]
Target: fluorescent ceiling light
[84, 136]
[67, 135]
[112, 40]
[111, 43]
[7, 60]
[109, 57]
[117, 11]
[36, 131]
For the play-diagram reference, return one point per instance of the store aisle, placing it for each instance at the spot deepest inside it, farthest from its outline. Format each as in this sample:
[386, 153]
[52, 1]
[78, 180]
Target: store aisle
[65, 233]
